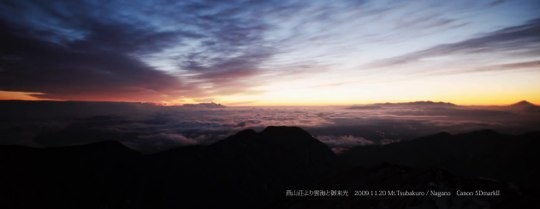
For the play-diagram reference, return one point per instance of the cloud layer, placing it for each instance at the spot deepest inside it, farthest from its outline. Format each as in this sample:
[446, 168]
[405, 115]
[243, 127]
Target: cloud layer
[152, 128]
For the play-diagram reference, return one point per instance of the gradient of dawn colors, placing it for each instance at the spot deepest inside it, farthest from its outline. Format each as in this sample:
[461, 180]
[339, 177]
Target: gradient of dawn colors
[271, 52]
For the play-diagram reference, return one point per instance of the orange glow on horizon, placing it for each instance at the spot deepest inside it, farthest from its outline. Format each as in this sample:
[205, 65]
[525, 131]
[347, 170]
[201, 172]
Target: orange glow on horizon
[503, 98]
[19, 95]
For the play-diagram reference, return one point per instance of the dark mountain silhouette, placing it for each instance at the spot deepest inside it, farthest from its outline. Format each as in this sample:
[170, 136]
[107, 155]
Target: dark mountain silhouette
[481, 160]
[524, 105]
[254, 170]
[388, 179]
[482, 153]
[418, 104]
[205, 105]
[246, 170]
[421, 103]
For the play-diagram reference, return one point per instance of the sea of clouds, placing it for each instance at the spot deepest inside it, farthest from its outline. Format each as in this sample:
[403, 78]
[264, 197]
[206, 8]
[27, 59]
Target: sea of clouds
[151, 128]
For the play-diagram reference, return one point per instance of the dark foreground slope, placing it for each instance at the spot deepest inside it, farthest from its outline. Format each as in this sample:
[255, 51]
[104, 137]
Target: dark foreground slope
[482, 160]
[488, 154]
[254, 170]
[246, 170]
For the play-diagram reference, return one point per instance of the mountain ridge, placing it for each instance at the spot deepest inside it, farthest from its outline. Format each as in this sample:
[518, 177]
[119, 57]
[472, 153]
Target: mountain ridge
[254, 169]
[245, 170]
[484, 153]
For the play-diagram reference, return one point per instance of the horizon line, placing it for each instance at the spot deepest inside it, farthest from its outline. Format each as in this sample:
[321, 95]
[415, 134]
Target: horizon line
[268, 105]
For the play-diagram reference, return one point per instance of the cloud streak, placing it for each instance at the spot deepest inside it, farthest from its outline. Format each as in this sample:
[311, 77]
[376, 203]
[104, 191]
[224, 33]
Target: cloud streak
[76, 53]
[523, 40]
[83, 69]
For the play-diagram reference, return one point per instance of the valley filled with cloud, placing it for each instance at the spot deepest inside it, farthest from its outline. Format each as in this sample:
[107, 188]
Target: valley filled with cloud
[150, 128]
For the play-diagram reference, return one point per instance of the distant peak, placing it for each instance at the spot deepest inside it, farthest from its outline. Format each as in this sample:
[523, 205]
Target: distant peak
[522, 103]
[415, 103]
[524, 106]
[430, 103]
[205, 105]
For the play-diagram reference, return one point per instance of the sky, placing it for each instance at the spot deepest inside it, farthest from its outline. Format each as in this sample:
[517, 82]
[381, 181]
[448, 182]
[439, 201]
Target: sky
[271, 52]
